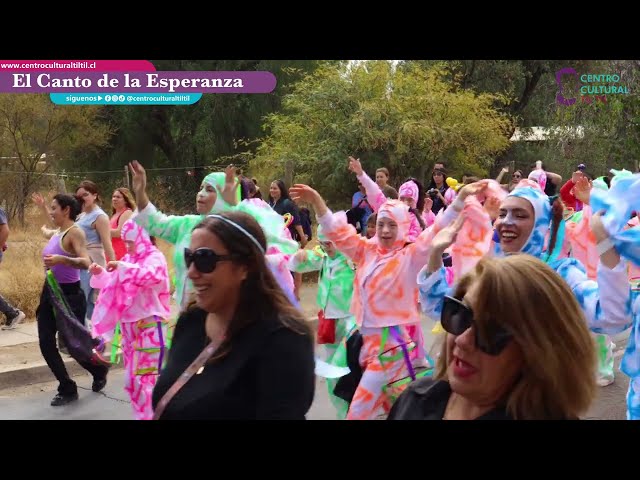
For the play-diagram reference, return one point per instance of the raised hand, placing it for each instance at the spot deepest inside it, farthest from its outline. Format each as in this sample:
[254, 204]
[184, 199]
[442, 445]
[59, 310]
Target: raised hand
[492, 206]
[38, 199]
[355, 166]
[138, 177]
[231, 182]
[303, 193]
[582, 190]
[447, 236]
[475, 188]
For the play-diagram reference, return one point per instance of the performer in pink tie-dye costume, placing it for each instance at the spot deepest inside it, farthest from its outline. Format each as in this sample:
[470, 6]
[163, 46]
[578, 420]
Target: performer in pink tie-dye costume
[135, 292]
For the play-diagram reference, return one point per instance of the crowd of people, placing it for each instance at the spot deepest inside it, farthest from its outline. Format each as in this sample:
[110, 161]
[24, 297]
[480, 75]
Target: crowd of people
[525, 281]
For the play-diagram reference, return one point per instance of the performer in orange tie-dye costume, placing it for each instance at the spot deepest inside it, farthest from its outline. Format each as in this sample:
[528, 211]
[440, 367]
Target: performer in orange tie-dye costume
[385, 295]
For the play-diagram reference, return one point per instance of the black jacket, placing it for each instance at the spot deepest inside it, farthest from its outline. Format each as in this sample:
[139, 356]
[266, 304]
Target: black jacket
[426, 399]
[268, 374]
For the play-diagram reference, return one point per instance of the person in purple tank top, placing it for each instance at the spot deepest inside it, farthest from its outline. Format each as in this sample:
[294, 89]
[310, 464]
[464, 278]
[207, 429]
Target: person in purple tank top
[65, 255]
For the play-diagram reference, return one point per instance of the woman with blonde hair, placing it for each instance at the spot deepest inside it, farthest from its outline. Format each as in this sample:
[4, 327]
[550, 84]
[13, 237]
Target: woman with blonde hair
[504, 357]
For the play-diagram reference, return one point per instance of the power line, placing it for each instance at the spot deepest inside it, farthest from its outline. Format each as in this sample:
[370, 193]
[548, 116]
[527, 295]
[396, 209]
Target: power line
[65, 173]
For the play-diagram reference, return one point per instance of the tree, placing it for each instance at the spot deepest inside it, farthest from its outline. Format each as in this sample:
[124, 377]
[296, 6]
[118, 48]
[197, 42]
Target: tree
[35, 134]
[404, 119]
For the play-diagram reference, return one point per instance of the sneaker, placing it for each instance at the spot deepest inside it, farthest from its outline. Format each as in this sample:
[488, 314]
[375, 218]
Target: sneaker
[99, 383]
[60, 399]
[13, 322]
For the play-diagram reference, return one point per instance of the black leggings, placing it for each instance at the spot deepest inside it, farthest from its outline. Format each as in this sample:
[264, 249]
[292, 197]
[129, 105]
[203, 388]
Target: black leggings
[47, 329]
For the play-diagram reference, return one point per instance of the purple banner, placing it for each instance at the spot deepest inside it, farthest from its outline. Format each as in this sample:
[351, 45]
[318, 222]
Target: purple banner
[148, 82]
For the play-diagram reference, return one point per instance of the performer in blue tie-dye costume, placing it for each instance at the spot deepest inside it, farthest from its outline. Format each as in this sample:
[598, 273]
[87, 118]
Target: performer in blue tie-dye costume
[619, 203]
[606, 302]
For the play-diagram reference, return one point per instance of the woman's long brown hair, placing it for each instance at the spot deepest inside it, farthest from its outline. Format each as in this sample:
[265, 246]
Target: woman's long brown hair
[261, 297]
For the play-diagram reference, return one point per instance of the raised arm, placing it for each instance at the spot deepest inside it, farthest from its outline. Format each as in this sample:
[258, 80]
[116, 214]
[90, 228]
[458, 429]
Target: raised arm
[306, 260]
[375, 197]
[44, 213]
[335, 226]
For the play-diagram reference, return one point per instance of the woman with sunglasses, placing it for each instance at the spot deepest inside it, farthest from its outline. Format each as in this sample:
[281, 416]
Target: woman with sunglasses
[384, 294]
[335, 288]
[528, 223]
[241, 351]
[135, 291]
[502, 360]
[515, 178]
[219, 192]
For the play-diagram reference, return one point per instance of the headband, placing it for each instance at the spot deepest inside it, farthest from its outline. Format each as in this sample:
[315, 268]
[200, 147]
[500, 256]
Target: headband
[241, 229]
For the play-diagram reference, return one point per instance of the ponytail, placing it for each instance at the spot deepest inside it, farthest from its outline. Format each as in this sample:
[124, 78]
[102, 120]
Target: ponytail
[416, 212]
[557, 209]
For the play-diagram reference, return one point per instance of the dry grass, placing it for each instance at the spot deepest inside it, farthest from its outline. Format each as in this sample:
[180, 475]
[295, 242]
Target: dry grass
[22, 271]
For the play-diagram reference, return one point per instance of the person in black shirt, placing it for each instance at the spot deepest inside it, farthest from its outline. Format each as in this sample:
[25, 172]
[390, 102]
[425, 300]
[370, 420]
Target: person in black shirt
[517, 347]
[282, 204]
[259, 360]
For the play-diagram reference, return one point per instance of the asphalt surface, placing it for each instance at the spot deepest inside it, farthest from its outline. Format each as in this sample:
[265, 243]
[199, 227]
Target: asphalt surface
[32, 402]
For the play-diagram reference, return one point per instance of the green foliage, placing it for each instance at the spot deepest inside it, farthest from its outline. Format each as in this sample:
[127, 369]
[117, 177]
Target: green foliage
[38, 135]
[404, 119]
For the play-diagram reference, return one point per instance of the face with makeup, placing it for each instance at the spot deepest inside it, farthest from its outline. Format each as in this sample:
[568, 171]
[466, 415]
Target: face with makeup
[206, 198]
[515, 223]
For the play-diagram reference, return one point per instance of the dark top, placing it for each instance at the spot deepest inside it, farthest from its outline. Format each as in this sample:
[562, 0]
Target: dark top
[284, 205]
[426, 399]
[268, 374]
[550, 189]
[437, 203]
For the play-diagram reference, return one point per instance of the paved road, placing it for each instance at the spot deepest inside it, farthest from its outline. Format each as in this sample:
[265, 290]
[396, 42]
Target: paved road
[32, 403]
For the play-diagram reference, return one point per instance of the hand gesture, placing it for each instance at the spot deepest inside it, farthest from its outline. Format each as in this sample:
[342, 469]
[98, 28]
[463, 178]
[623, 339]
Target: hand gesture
[582, 190]
[492, 206]
[447, 236]
[95, 269]
[53, 260]
[355, 166]
[428, 204]
[474, 188]
[112, 265]
[138, 177]
[38, 199]
[303, 193]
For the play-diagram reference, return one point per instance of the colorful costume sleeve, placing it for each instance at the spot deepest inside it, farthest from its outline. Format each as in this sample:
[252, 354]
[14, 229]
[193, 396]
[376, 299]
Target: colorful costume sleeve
[474, 239]
[170, 228]
[450, 195]
[313, 263]
[432, 289]
[152, 272]
[343, 235]
[101, 279]
[272, 225]
[375, 197]
[607, 302]
[565, 194]
[582, 241]
[428, 217]
[618, 203]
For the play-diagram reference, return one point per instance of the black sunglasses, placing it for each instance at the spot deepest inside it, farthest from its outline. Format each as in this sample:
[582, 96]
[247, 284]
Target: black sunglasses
[457, 317]
[204, 259]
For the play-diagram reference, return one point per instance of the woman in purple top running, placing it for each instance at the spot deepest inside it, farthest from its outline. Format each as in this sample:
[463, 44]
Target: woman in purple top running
[65, 255]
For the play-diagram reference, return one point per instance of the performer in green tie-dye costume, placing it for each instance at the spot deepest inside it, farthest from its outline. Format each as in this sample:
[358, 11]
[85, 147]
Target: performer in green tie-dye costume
[219, 192]
[335, 286]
